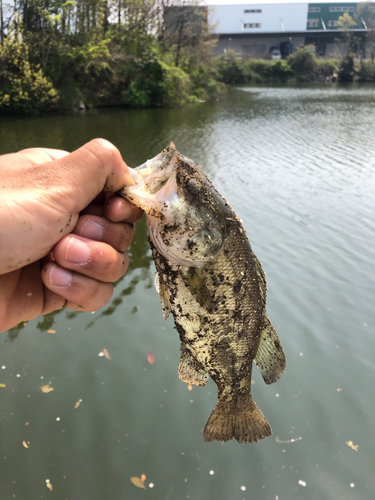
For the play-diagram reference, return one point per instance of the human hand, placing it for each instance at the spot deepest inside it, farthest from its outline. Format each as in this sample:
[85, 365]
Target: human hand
[63, 231]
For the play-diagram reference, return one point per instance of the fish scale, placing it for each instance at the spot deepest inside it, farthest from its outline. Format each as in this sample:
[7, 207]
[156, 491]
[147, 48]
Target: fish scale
[215, 287]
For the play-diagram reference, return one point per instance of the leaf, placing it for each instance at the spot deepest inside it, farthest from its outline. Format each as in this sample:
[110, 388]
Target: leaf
[106, 354]
[25, 444]
[47, 388]
[137, 482]
[49, 485]
[2, 385]
[352, 446]
[151, 357]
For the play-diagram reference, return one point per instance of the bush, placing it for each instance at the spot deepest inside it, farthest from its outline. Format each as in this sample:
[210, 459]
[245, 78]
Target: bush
[303, 63]
[154, 83]
[281, 71]
[346, 69]
[231, 70]
[24, 89]
[326, 68]
[366, 72]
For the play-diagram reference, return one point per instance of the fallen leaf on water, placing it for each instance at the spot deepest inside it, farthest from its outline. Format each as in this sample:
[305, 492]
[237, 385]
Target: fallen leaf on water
[2, 385]
[51, 331]
[47, 388]
[78, 403]
[150, 357]
[190, 387]
[106, 354]
[352, 446]
[137, 482]
[143, 477]
[25, 444]
[49, 485]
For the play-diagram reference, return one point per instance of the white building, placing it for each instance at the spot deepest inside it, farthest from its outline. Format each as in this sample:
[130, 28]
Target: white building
[254, 29]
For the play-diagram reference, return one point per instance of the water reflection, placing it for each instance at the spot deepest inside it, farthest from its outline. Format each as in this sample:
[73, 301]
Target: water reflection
[297, 164]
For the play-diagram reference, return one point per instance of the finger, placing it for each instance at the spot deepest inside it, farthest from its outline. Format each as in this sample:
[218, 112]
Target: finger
[78, 292]
[118, 209]
[94, 259]
[94, 167]
[118, 235]
[94, 209]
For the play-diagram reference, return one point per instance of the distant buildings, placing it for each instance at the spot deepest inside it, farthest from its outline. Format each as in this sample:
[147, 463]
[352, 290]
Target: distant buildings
[257, 29]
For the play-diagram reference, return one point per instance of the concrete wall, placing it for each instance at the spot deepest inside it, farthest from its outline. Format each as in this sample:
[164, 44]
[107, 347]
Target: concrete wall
[256, 47]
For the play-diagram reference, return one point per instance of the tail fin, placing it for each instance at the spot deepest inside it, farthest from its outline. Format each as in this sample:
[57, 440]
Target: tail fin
[241, 420]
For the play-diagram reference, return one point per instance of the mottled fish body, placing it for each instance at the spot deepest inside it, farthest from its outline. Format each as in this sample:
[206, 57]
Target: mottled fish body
[211, 281]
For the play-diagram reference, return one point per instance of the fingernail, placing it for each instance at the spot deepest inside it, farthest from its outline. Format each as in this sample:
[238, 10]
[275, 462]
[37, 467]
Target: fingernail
[77, 251]
[92, 230]
[60, 276]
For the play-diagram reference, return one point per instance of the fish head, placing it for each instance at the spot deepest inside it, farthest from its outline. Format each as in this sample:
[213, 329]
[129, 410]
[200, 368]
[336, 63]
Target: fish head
[183, 211]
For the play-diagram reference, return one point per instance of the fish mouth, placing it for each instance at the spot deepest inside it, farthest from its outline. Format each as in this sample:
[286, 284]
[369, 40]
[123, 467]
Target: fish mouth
[157, 187]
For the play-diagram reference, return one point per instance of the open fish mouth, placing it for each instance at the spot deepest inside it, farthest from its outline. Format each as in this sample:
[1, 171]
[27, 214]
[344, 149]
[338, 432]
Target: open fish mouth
[157, 188]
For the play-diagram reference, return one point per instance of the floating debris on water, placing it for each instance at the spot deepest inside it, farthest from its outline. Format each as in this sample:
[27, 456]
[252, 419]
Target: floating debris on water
[352, 445]
[47, 388]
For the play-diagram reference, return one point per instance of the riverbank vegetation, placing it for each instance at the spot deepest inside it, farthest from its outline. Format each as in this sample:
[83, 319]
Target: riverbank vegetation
[69, 55]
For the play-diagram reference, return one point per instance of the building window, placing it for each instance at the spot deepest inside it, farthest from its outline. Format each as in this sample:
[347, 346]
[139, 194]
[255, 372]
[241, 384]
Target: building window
[314, 9]
[332, 24]
[313, 23]
[341, 9]
[252, 25]
[253, 11]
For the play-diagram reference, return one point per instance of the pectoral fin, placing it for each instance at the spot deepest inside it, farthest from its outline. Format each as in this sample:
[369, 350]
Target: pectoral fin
[189, 371]
[163, 294]
[270, 357]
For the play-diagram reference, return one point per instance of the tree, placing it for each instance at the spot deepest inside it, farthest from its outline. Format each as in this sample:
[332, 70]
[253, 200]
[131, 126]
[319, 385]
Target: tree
[186, 32]
[346, 24]
[366, 16]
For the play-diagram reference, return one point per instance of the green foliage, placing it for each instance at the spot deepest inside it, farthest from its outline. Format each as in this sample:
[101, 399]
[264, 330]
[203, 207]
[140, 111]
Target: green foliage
[154, 83]
[232, 70]
[326, 69]
[24, 89]
[346, 69]
[303, 63]
[281, 71]
[366, 72]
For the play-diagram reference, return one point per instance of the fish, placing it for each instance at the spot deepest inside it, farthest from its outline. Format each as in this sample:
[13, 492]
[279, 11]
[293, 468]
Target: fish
[209, 278]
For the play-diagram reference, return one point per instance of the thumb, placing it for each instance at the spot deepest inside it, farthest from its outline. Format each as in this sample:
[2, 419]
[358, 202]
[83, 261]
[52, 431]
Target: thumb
[95, 167]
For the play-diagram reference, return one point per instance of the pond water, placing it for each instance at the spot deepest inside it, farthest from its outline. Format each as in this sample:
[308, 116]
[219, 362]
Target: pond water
[298, 166]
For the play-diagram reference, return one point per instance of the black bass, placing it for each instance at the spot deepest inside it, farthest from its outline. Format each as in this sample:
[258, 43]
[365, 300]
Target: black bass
[208, 276]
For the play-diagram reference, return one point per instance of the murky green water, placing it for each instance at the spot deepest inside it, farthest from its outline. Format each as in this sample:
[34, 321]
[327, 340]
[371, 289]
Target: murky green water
[298, 166]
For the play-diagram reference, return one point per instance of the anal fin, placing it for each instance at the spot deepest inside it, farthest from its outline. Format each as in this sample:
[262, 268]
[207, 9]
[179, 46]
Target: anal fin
[163, 294]
[270, 357]
[189, 371]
